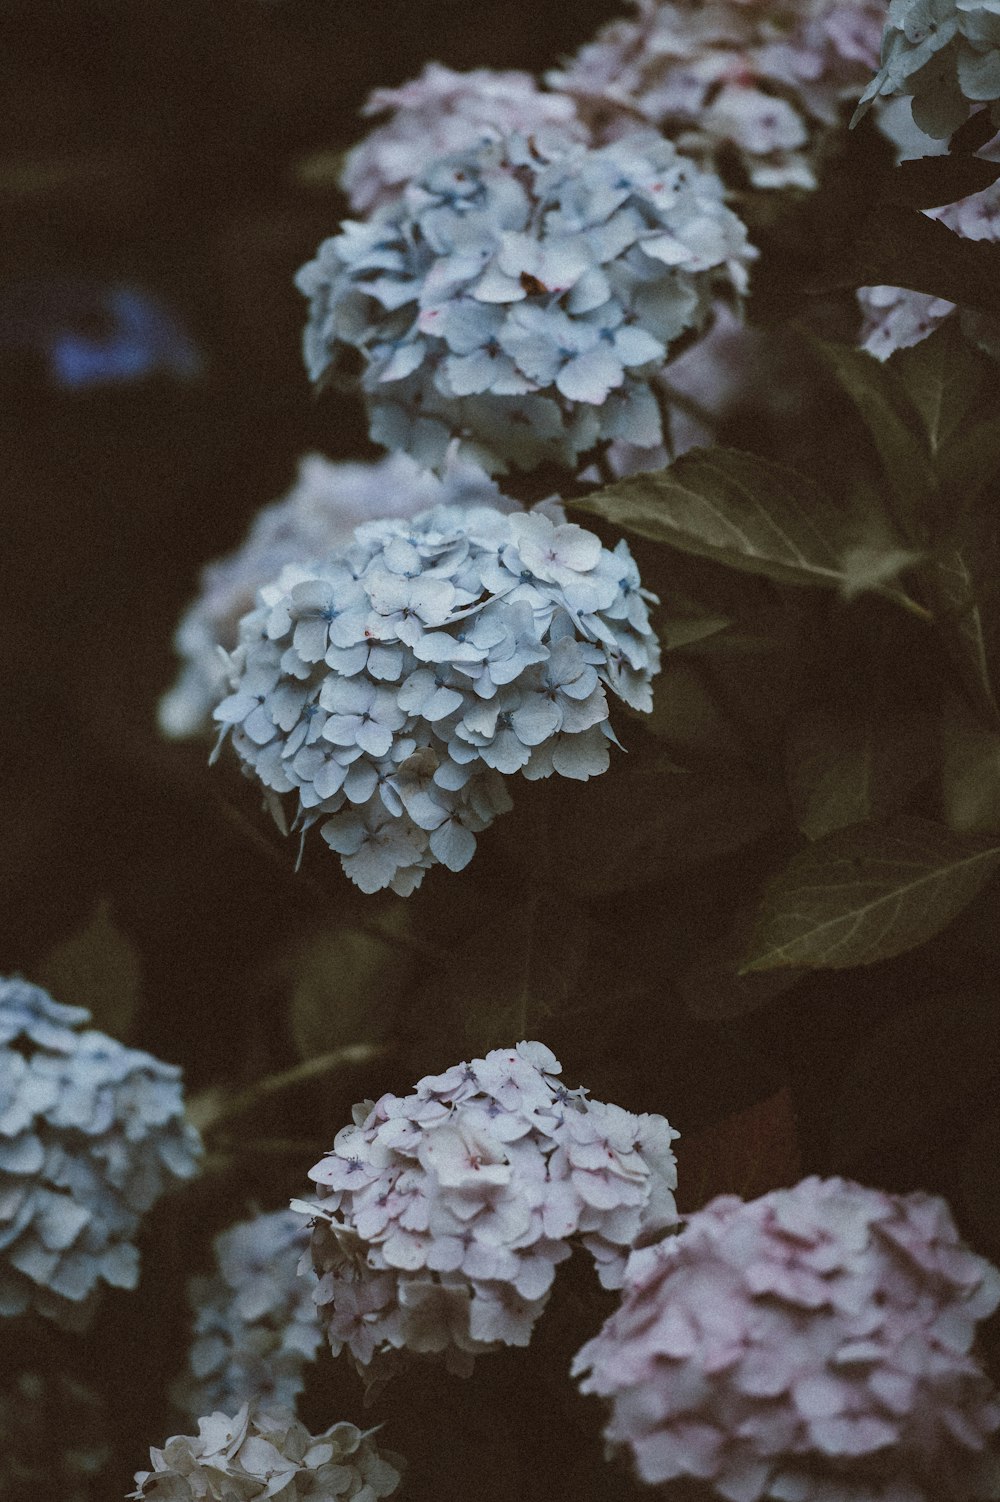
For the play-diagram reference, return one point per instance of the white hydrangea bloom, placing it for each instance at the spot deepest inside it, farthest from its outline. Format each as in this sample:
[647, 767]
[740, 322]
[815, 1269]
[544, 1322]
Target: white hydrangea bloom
[442, 1215]
[91, 1135]
[394, 688]
[752, 79]
[520, 296]
[944, 55]
[259, 1455]
[319, 513]
[440, 112]
[255, 1323]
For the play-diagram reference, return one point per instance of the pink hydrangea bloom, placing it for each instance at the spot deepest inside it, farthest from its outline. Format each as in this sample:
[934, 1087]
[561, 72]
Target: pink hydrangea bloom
[814, 1345]
[440, 112]
[441, 1215]
[763, 80]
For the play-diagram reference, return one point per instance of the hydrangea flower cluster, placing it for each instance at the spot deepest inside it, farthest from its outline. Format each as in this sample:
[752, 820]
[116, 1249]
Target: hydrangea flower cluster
[255, 1320]
[268, 1455]
[91, 1134]
[441, 112]
[815, 1344]
[443, 1214]
[944, 55]
[520, 296]
[895, 317]
[759, 82]
[319, 514]
[394, 687]
[53, 1440]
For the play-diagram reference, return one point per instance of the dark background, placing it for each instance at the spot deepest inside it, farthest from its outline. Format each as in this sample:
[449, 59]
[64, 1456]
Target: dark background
[156, 142]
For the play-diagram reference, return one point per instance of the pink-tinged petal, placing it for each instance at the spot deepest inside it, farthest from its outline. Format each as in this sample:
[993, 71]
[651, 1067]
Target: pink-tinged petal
[590, 376]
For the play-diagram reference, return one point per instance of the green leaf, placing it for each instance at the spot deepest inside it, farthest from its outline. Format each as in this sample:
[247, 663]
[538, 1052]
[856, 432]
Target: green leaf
[974, 134]
[900, 247]
[929, 182]
[949, 587]
[870, 568]
[867, 893]
[344, 988]
[713, 991]
[97, 967]
[970, 777]
[853, 765]
[925, 410]
[676, 631]
[943, 377]
[637, 825]
[743, 511]
[969, 460]
[886, 410]
[510, 975]
[688, 715]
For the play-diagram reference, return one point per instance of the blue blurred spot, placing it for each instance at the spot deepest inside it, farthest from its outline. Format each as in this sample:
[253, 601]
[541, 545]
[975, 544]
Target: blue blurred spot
[96, 334]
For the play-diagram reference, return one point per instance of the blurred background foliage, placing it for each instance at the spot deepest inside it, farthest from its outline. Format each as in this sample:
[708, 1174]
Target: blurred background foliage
[162, 176]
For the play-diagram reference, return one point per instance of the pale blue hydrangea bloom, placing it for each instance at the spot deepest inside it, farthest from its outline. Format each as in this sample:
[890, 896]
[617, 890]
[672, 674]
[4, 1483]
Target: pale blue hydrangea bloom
[440, 112]
[521, 294]
[942, 54]
[441, 1216]
[319, 513]
[255, 1323]
[91, 1134]
[394, 687]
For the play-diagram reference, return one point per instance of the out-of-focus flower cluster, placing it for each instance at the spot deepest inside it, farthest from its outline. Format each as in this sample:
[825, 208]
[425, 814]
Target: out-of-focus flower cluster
[319, 514]
[895, 317]
[442, 1215]
[942, 54]
[393, 687]
[439, 113]
[521, 295]
[255, 1321]
[757, 81]
[91, 1134]
[52, 1438]
[268, 1455]
[814, 1345]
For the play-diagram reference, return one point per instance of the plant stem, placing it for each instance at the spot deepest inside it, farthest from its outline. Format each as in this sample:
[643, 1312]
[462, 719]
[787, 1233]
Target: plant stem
[684, 403]
[604, 468]
[210, 1114]
[659, 390]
